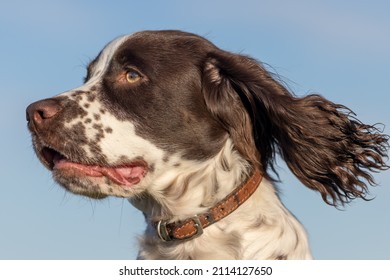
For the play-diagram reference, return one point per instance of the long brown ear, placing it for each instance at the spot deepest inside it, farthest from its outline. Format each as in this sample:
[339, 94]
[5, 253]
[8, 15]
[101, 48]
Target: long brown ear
[323, 144]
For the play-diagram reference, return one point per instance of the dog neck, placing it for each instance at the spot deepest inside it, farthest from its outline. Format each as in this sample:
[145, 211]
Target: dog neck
[193, 226]
[195, 191]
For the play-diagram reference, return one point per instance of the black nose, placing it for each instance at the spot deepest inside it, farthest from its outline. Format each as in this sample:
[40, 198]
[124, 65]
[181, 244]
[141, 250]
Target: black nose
[39, 113]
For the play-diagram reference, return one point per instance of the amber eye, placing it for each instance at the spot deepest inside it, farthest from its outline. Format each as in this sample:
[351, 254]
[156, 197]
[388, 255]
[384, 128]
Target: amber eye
[133, 76]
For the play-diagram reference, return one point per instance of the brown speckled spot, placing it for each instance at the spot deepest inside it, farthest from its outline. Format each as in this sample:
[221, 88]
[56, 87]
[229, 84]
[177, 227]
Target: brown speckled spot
[99, 136]
[78, 98]
[108, 130]
[88, 120]
[91, 97]
[100, 132]
[86, 105]
[123, 159]
[98, 126]
[102, 111]
[96, 117]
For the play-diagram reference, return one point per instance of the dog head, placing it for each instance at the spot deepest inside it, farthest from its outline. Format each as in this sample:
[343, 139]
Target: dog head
[155, 101]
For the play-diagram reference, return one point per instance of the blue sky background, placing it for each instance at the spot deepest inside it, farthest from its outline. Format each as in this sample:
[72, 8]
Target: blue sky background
[340, 49]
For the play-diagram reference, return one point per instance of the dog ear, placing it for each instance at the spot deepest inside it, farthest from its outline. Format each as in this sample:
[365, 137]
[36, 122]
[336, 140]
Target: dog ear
[323, 144]
[224, 102]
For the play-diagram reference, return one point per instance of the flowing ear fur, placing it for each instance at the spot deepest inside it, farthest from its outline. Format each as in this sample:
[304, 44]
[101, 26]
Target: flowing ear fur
[323, 143]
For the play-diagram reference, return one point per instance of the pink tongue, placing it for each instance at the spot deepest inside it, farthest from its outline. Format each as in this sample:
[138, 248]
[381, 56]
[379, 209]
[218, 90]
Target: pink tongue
[124, 175]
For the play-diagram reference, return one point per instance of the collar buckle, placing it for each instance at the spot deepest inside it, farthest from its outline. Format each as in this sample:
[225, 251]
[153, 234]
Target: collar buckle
[162, 231]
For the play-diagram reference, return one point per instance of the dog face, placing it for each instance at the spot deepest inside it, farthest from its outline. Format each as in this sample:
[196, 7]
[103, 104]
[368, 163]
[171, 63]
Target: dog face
[139, 114]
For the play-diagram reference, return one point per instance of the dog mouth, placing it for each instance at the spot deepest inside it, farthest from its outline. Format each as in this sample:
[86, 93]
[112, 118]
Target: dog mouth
[124, 175]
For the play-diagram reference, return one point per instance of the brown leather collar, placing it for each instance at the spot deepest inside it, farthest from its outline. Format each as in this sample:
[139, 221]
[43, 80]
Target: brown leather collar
[193, 227]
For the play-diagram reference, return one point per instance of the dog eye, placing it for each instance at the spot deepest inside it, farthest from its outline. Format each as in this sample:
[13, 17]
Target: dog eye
[133, 76]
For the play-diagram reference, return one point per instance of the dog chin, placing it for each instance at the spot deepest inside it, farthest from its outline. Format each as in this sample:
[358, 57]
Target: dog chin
[92, 187]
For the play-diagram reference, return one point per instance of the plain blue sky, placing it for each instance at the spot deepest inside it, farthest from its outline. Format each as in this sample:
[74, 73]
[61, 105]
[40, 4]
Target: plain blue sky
[340, 49]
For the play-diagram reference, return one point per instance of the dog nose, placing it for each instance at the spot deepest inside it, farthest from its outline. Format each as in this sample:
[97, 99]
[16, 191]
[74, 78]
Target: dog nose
[41, 111]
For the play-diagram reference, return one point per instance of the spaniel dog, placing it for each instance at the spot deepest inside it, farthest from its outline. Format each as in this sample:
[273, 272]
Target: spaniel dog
[189, 133]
